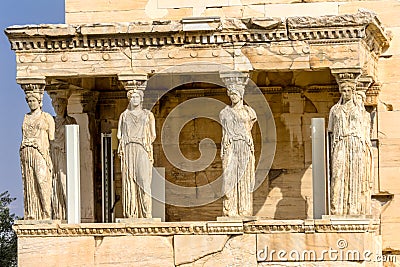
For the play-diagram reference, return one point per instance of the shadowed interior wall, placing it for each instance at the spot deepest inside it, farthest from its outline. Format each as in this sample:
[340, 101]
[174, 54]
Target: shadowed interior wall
[286, 193]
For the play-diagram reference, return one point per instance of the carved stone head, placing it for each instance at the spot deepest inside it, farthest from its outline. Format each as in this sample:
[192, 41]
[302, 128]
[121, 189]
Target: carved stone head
[347, 89]
[135, 98]
[237, 90]
[347, 80]
[235, 82]
[60, 106]
[35, 94]
[130, 93]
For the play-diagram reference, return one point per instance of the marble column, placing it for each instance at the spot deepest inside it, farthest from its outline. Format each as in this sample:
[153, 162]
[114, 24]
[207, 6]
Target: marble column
[369, 113]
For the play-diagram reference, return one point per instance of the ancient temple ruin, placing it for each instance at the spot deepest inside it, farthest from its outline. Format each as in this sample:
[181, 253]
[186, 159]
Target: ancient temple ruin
[294, 63]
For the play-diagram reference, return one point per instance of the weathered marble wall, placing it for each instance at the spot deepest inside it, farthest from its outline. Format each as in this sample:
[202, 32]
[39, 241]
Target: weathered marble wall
[146, 10]
[293, 98]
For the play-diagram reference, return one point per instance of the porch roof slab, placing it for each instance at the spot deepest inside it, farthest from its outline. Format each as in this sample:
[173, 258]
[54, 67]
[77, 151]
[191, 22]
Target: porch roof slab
[107, 49]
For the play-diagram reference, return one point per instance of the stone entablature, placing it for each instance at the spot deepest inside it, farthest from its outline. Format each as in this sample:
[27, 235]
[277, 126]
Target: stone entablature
[222, 30]
[363, 25]
[24, 229]
[295, 43]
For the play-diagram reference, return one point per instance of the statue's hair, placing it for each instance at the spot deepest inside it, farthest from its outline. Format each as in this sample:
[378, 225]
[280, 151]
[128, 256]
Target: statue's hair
[37, 95]
[351, 83]
[239, 90]
[131, 92]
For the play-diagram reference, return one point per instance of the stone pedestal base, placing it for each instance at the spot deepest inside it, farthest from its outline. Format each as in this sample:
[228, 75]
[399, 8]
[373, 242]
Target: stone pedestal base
[136, 220]
[36, 222]
[214, 243]
[237, 219]
[347, 217]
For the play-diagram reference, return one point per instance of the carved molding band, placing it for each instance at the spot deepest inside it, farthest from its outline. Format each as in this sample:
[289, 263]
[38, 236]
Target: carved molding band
[350, 75]
[364, 24]
[196, 228]
[133, 81]
[372, 95]
[234, 79]
[361, 18]
[33, 84]
[33, 87]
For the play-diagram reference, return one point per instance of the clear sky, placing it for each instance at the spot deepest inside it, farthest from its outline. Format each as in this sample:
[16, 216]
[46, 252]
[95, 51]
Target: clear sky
[12, 100]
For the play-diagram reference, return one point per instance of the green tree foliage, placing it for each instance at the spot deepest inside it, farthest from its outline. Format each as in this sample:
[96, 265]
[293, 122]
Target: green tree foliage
[8, 238]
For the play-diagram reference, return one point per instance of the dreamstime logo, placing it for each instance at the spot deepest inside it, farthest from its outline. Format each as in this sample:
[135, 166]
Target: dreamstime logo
[342, 243]
[341, 253]
[208, 108]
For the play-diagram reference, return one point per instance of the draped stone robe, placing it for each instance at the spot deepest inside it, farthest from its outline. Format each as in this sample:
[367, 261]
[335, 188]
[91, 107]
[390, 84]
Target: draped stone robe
[368, 182]
[36, 165]
[237, 153]
[136, 152]
[346, 123]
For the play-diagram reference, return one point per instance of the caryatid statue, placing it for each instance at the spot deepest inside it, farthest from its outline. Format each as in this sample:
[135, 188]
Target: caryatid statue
[36, 164]
[136, 134]
[368, 181]
[349, 150]
[58, 156]
[237, 149]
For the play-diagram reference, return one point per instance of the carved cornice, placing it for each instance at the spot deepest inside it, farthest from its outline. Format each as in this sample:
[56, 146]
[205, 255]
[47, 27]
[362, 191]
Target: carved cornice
[58, 90]
[347, 75]
[54, 38]
[333, 88]
[372, 95]
[362, 17]
[234, 79]
[32, 84]
[133, 81]
[195, 228]
[364, 82]
[362, 25]
[33, 87]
